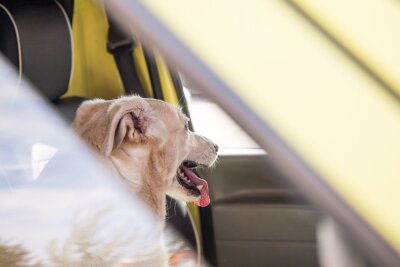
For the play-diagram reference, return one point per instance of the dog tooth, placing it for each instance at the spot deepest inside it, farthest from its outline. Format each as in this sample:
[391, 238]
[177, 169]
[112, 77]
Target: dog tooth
[200, 186]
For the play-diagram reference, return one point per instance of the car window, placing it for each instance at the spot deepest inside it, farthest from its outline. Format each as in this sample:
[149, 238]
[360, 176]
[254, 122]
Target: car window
[210, 120]
[59, 205]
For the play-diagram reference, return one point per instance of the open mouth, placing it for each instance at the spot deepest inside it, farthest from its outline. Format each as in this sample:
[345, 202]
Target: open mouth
[192, 183]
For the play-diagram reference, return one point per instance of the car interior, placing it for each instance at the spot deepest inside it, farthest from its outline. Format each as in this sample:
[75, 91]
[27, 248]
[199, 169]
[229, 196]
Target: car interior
[257, 220]
[254, 218]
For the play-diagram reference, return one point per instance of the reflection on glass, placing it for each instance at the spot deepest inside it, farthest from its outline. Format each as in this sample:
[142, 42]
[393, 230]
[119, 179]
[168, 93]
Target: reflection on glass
[41, 155]
[14, 255]
[86, 244]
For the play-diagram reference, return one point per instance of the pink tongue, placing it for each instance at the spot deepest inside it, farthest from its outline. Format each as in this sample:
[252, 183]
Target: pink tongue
[204, 200]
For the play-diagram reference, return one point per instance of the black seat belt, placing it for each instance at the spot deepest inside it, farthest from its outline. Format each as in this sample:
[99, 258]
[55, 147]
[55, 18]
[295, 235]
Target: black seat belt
[121, 46]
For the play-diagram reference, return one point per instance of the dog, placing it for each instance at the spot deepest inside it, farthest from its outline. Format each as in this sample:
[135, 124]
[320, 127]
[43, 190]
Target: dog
[148, 144]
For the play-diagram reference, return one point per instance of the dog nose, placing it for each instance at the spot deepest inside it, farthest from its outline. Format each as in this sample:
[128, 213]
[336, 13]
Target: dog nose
[216, 147]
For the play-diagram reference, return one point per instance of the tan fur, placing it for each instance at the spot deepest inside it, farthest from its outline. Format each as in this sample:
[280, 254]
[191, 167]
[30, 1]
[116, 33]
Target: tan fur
[144, 141]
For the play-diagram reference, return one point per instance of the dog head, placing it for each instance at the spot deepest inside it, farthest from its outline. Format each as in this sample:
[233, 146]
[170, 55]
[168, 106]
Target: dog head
[149, 144]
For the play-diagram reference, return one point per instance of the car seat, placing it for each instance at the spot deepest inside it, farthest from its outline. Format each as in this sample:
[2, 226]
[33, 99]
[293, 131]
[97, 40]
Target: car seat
[36, 36]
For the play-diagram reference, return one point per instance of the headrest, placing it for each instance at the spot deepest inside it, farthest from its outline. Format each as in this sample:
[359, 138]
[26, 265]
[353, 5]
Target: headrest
[36, 36]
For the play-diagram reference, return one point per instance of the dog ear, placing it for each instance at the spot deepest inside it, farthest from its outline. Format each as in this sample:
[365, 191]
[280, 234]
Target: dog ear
[130, 126]
[106, 124]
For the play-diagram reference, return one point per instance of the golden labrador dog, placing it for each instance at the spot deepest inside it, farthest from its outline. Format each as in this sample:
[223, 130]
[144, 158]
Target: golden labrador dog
[148, 144]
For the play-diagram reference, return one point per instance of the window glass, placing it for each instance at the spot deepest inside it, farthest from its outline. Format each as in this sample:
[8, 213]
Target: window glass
[59, 205]
[210, 120]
